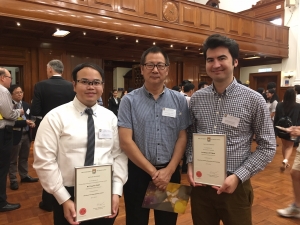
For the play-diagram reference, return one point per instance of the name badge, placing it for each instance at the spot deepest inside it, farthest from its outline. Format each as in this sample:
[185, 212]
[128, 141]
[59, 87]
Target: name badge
[169, 112]
[28, 111]
[231, 120]
[105, 134]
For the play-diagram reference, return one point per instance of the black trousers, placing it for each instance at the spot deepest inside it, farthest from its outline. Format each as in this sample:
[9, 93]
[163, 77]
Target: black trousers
[47, 199]
[6, 143]
[59, 219]
[134, 192]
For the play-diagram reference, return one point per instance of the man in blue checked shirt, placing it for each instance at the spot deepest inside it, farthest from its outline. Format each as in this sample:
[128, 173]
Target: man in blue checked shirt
[152, 122]
[226, 107]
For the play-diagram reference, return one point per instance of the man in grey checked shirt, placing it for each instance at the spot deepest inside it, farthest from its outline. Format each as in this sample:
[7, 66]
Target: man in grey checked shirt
[231, 202]
[152, 122]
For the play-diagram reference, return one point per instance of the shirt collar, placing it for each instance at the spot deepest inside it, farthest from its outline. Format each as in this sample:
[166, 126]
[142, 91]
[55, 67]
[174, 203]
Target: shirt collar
[148, 94]
[81, 107]
[229, 88]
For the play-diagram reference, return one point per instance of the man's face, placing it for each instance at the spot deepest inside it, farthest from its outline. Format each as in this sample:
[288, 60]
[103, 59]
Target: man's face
[219, 64]
[115, 94]
[6, 79]
[154, 76]
[17, 94]
[88, 94]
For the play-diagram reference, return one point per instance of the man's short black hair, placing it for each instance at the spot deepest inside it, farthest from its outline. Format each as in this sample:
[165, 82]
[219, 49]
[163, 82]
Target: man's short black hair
[154, 49]
[14, 87]
[84, 65]
[201, 84]
[176, 88]
[271, 85]
[188, 87]
[184, 82]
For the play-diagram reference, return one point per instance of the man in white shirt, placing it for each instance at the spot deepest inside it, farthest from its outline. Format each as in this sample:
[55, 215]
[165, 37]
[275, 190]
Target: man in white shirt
[61, 145]
[188, 90]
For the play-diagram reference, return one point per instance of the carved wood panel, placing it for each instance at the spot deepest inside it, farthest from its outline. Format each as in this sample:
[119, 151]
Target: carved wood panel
[188, 15]
[128, 7]
[151, 8]
[205, 21]
[78, 2]
[269, 32]
[220, 22]
[246, 27]
[278, 35]
[137, 76]
[258, 30]
[233, 25]
[103, 4]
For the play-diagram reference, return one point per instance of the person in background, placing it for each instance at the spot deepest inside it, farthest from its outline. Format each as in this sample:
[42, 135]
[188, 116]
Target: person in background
[188, 90]
[114, 102]
[289, 108]
[62, 141]
[8, 116]
[271, 85]
[176, 88]
[260, 90]
[184, 82]
[271, 102]
[293, 210]
[21, 141]
[47, 95]
[152, 127]
[124, 92]
[228, 108]
[297, 89]
[202, 84]
[99, 101]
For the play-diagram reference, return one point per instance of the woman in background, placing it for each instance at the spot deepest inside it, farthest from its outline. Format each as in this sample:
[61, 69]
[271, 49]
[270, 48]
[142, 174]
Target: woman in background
[271, 102]
[124, 92]
[289, 108]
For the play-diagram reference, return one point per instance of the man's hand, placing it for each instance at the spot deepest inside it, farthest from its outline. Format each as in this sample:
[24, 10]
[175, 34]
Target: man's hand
[191, 178]
[70, 212]
[229, 185]
[30, 123]
[162, 178]
[115, 206]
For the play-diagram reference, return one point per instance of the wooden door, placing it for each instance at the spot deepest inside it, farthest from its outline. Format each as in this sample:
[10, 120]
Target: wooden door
[258, 80]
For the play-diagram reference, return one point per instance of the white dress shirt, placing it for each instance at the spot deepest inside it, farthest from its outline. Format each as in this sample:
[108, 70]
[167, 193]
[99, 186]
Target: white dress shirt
[61, 142]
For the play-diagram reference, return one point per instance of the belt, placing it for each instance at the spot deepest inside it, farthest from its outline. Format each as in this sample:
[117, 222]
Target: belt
[161, 166]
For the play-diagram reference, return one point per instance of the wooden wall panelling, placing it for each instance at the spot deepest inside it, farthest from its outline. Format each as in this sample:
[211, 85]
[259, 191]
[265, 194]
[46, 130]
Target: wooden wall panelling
[128, 7]
[278, 35]
[269, 32]
[191, 71]
[233, 25]
[188, 15]
[79, 2]
[205, 18]
[259, 31]
[179, 72]
[103, 4]
[172, 78]
[246, 27]
[151, 9]
[220, 22]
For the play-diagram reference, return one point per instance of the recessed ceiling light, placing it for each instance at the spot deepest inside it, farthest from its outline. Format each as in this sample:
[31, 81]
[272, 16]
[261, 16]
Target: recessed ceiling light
[117, 37]
[252, 57]
[61, 33]
[153, 43]
[171, 46]
[137, 40]
[84, 33]
[186, 47]
[18, 24]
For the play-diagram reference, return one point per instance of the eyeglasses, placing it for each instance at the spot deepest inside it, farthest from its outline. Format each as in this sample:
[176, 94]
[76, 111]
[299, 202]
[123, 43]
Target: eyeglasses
[96, 83]
[18, 92]
[160, 66]
[8, 77]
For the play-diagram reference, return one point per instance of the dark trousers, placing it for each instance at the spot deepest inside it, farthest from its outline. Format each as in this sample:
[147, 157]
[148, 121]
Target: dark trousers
[47, 200]
[6, 143]
[134, 193]
[59, 219]
[208, 208]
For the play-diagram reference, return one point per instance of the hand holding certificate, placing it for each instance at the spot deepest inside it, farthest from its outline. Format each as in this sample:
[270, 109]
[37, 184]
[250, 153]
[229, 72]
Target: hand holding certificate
[93, 192]
[209, 159]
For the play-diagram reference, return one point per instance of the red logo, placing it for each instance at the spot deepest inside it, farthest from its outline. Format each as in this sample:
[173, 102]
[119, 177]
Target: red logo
[82, 211]
[198, 174]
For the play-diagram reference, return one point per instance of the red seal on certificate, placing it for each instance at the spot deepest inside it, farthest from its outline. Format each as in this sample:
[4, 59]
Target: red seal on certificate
[82, 211]
[198, 174]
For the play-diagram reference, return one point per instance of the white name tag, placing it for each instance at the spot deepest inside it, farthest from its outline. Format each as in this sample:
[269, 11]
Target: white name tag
[169, 112]
[105, 134]
[28, 111]
[231, 120]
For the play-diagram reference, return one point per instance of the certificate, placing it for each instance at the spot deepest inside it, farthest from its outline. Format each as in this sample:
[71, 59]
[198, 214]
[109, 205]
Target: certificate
[209, 159]
[93, 192]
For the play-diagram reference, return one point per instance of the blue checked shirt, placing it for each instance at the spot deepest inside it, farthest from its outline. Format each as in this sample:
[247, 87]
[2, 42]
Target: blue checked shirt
[154, 134]
[207, 109]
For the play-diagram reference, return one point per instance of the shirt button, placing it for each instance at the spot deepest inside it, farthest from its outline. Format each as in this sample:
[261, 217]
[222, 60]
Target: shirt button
[156, 115]
[157, 158]
[157, 129]
[158, 144]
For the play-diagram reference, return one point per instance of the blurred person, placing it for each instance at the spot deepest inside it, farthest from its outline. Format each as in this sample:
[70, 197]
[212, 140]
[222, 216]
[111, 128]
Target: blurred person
[63, 128]
[202, 84]
[21, 141]
[287, 108]
[114, 102]
[47, 95]
[260, 90]
[176, 88]
[297, 89]
[188, 90]
[271, 102]
[8, 116]
[124, 92]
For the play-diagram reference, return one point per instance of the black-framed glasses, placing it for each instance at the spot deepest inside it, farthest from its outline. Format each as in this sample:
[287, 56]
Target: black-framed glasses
[96, 83]
[160, 66]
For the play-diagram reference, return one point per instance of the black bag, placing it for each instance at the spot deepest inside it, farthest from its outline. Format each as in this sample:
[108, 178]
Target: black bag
[285, 122]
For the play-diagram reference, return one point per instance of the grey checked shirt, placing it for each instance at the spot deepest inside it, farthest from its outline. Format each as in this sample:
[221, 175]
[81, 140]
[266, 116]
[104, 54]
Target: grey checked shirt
[207, 109]
[154, 134]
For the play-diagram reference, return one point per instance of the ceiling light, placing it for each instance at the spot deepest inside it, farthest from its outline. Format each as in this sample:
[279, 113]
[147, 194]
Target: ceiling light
[186, 47]
[171, 46]
[84, 33]
[18, 24]
[153, 43]
[137, 40]
[252, 57]
[61, 33]
[117, 37]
